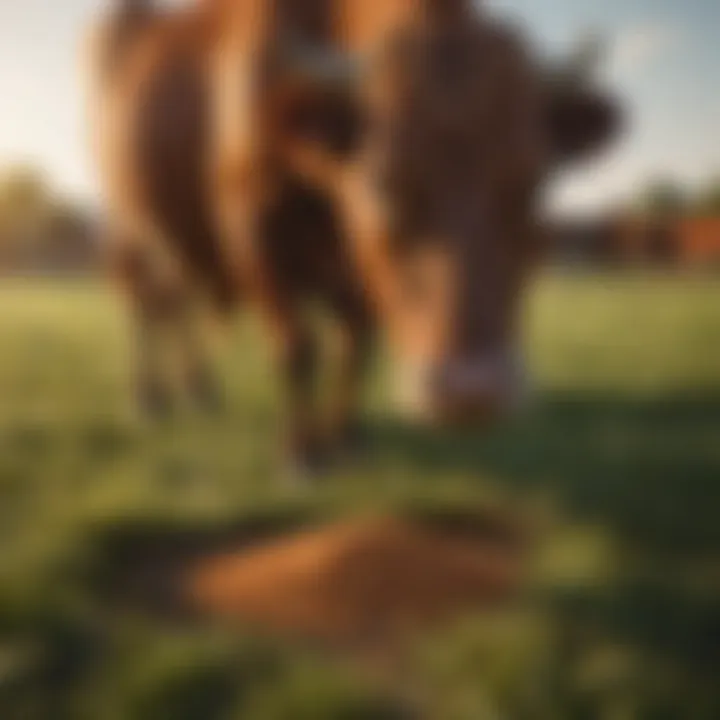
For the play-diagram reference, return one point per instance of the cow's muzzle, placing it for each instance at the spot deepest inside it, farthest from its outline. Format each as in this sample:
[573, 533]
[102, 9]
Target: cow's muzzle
[466, 391]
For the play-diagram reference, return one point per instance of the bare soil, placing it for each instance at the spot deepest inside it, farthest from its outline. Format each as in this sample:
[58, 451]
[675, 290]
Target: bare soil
[365, 581]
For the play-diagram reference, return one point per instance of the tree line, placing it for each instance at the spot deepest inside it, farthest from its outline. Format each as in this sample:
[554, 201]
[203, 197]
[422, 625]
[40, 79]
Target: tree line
[39, 226]
[665, 197]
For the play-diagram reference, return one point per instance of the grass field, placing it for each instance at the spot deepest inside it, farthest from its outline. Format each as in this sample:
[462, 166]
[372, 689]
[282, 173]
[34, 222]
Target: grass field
[618, 459]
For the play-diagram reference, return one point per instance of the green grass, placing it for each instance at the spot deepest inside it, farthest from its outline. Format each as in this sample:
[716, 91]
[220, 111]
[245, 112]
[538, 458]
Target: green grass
[619, 455]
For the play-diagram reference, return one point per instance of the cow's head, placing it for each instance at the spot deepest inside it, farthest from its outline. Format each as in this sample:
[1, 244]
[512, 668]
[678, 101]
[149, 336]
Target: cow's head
[463, 132]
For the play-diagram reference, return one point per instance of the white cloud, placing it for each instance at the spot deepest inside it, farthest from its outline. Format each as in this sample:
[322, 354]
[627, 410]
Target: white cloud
[637, 48]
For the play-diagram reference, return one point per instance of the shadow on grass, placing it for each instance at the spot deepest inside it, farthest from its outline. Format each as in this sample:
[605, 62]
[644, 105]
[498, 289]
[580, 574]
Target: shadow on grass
[649, 467]
[645, 468]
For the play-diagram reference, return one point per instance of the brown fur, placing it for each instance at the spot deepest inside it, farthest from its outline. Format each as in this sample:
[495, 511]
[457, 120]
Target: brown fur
[443, 202]
[156, 137]
[173, 209]
[228, 171]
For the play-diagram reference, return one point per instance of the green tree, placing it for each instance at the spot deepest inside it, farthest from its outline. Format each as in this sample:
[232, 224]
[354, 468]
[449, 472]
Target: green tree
[663, 198]
[37, 225]
[26, 202]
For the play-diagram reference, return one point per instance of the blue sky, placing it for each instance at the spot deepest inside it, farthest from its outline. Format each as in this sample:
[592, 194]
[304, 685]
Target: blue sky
[664, 59]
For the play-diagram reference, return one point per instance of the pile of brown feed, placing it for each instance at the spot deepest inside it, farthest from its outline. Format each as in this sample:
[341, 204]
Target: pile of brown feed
[365, 581]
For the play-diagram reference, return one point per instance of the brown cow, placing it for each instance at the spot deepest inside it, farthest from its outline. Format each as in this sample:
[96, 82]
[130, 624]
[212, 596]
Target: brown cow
[443, 200]
[162, 94]
[236, 160]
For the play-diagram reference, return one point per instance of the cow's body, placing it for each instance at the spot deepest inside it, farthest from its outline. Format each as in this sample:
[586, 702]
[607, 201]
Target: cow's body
[231, 174]
[154, 134]
[163, 156]
[154, 112]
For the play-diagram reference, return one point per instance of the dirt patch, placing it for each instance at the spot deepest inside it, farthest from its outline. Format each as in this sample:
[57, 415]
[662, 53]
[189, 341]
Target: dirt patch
[360, 582]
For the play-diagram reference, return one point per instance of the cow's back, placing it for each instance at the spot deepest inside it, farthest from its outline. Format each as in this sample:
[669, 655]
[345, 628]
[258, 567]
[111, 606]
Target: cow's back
[156, 136]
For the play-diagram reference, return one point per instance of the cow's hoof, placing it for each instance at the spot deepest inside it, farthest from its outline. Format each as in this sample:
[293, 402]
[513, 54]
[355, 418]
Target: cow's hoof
[155, 403]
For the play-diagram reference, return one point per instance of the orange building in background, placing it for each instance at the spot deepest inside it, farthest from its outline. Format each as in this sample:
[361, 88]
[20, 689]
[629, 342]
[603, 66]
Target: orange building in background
[675, 241]
[636, 240]
[699, 241]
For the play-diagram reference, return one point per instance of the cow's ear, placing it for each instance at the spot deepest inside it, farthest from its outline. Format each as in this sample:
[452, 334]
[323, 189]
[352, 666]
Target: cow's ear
[581, 123]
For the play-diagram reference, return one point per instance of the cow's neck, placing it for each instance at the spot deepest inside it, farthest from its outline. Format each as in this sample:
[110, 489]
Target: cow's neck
[309, 20]
[443, 12]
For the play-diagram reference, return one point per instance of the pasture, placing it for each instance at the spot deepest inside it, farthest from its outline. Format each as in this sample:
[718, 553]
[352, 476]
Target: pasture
[617, 463]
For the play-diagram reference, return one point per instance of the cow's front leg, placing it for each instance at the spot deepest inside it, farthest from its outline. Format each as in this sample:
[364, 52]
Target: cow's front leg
[298, 367]
[151, 297]
[252, 241]
[200, 378]
[152, 389]
[347, 433]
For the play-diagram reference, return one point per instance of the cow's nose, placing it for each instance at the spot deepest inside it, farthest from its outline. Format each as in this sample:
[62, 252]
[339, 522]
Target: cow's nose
[477, 390]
